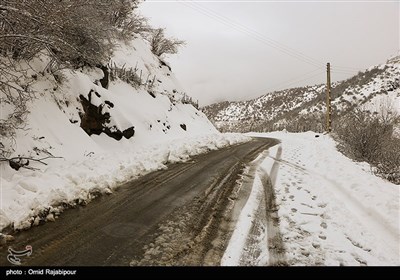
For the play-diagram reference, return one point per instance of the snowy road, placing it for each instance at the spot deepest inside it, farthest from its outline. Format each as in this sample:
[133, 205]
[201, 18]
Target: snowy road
[177, 216]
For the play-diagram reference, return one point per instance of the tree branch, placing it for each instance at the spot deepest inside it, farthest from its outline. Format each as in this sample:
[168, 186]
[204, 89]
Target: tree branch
[23, 162]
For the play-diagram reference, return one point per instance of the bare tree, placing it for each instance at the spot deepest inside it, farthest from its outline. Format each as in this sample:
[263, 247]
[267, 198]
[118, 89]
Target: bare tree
[76, 32]
[72, 33]
[161, 45]
[122, 15]
[387, 112]
[15, 94]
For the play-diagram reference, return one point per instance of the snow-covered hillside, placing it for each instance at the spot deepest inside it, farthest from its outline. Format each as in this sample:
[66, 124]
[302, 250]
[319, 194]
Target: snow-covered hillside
[303, 108]
[96, 134]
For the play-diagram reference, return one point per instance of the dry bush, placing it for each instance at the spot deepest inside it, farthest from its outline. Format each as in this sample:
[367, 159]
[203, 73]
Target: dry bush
[75, 32]
[71, 31]
[128, 75]
[15, 94]
[186, 99]
[361, 135]
[161, 45]
[366, 136]
[388, 163]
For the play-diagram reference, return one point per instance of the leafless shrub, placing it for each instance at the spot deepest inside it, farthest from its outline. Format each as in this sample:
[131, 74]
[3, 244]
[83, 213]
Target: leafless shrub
[130, 75]
[161, 45]
[72, 31]
[123, 16]
[75, 32]
[366, 136]
[186, 99]
[134, 25]
[388, 163]
[15, 93]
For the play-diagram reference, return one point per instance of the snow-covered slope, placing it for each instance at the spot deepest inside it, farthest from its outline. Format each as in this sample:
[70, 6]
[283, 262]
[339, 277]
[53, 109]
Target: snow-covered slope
[303, 108]
[54, 122]
[96, 135]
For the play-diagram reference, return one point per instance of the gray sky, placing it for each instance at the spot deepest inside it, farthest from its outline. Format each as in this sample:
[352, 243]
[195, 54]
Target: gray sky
[240, 50]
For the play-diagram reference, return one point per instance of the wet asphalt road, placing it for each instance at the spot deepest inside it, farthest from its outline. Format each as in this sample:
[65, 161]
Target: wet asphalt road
[114, 229]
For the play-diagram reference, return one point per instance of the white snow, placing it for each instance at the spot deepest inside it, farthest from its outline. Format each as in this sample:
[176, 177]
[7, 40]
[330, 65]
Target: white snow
[165, 130]
[26, 192]
[237, 243]
[333, 211]
[236, 251]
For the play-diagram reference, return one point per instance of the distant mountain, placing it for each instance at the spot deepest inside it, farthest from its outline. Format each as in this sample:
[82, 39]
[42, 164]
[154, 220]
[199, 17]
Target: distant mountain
[303, 108]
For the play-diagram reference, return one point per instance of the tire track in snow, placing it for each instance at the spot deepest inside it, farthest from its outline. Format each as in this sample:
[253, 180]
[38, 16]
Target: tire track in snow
[256, 239]
[275, 243]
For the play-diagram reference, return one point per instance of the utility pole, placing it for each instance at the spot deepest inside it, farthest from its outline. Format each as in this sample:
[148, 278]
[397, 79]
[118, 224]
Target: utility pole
[328, 99]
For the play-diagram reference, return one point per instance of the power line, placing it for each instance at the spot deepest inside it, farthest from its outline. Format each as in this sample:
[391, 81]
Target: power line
[252, 33]
[346, 67]
[257, 35]
[350, 72]
[286, 84]
[244, 29]
[270, 42]
[263, 39]
[342, 73]
[300, 78]
[193, 4]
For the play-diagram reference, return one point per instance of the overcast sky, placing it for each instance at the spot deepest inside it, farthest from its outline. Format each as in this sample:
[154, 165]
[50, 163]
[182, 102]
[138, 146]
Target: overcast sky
[237, 50]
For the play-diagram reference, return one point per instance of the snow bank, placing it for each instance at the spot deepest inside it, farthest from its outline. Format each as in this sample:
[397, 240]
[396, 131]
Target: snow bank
[332, 210]
[25, 194]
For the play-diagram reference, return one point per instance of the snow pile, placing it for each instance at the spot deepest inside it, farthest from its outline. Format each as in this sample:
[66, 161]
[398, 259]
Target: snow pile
[81, 163]
[332, 210]
[25, 194]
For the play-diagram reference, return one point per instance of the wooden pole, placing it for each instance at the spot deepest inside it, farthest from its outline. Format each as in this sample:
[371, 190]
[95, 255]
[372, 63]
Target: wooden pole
[328, 99]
